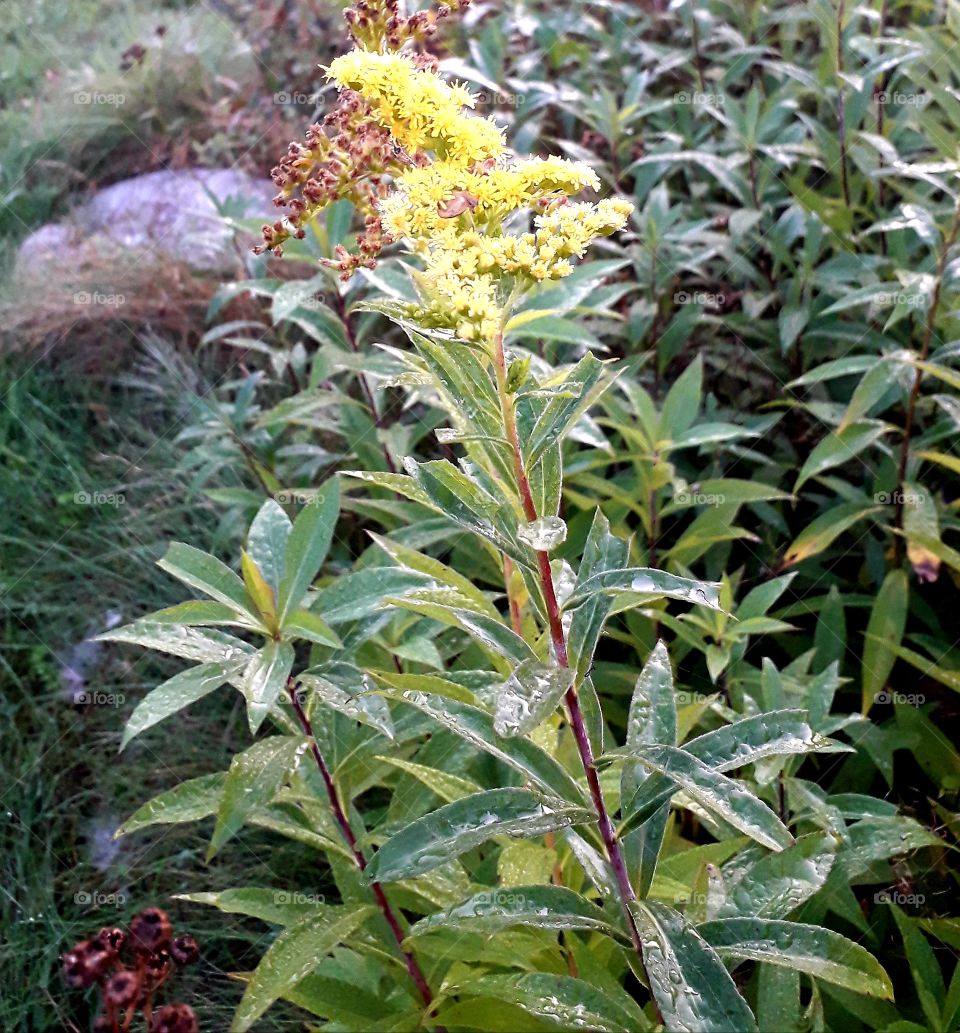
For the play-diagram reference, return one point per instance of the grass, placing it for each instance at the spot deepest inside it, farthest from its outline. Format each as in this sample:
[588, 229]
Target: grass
[64, 565]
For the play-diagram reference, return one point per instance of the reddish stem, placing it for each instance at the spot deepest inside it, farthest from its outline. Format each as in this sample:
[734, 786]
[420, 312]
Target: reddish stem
[558, 639]
[416, 974]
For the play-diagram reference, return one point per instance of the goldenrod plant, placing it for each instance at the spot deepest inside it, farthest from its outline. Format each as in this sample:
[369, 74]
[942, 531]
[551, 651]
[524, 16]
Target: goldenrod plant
[437, 736]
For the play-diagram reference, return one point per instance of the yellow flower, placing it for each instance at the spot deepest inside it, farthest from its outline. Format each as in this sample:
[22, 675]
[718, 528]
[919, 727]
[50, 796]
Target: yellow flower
[422, 112]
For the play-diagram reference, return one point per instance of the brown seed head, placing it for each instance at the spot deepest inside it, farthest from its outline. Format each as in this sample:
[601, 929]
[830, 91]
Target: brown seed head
[150, 930]
[185, 950]
[175, 1018]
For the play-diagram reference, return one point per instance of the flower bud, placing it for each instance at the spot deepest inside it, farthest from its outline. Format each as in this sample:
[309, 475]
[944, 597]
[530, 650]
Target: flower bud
[150, 930]
[174, 1018]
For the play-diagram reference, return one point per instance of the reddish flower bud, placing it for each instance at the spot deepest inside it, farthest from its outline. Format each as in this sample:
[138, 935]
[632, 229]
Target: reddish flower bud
[150, 930]
[185, 950]
[122, 988]
[175, 1018]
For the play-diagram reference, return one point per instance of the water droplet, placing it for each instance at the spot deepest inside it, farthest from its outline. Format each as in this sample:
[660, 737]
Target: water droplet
[543, 534]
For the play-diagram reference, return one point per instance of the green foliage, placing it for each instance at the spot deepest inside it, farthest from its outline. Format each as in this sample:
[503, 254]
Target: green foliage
[744, 534]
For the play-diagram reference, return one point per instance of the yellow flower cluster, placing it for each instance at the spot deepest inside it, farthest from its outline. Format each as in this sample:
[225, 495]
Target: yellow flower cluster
[427, 198]
[465, 269]
[421, 111]
[452, 200]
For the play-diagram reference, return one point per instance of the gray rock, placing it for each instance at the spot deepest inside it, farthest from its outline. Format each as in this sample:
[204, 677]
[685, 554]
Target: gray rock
[156, 216]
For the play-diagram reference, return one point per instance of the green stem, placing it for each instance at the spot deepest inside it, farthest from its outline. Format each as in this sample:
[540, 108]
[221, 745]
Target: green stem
[626, 893]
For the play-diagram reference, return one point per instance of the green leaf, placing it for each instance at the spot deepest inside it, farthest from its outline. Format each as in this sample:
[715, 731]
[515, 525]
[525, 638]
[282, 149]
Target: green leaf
[772, 734]
[924, 968]
[189, 801]
[888, 619]
[529, 696]
[206, 573]
[652, 718]
[717, 793]
[457, 827]
[267, 541]
[563, 1002]
[823, 531]
[253, 780]
[543, 907]
[264, 678]
[261, 593]
[178, 640]
[819, 952]
[307, 625]
[840, 447]
[682, 404]
[352, 597]
[295, 953]
[692, 988]
[648, 583]
[578, 389]
[370, 710]
[176, 693]
[307, 547]
[447, 786]
[278, 907]
[476, 726]
[777, 884]
[602, 552]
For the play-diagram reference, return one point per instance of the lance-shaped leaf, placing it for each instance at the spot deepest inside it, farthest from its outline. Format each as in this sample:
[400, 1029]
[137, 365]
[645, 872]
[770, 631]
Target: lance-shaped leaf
[545, 907]
[267, 541]
[179, 640]
[447, 786]
[807, 948]
[307, 547]
[206, 573]
[189, 801]
[476, 726]
[269, 905]
[501, 642]
[306, 625]
[463, 500]
[777, 733]
[264, 678]
[261, 592]
[253, 780]
[777, 884]
[457, 827]
[602, 553]
[823, 531]
[720, 795]
[176, 693]
[647, 583]
[295, 953]
[652, 719]
[357, 595]
[529, 696]
[563, 1002]
[368, 709]
[693, 990]
[576, 392]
